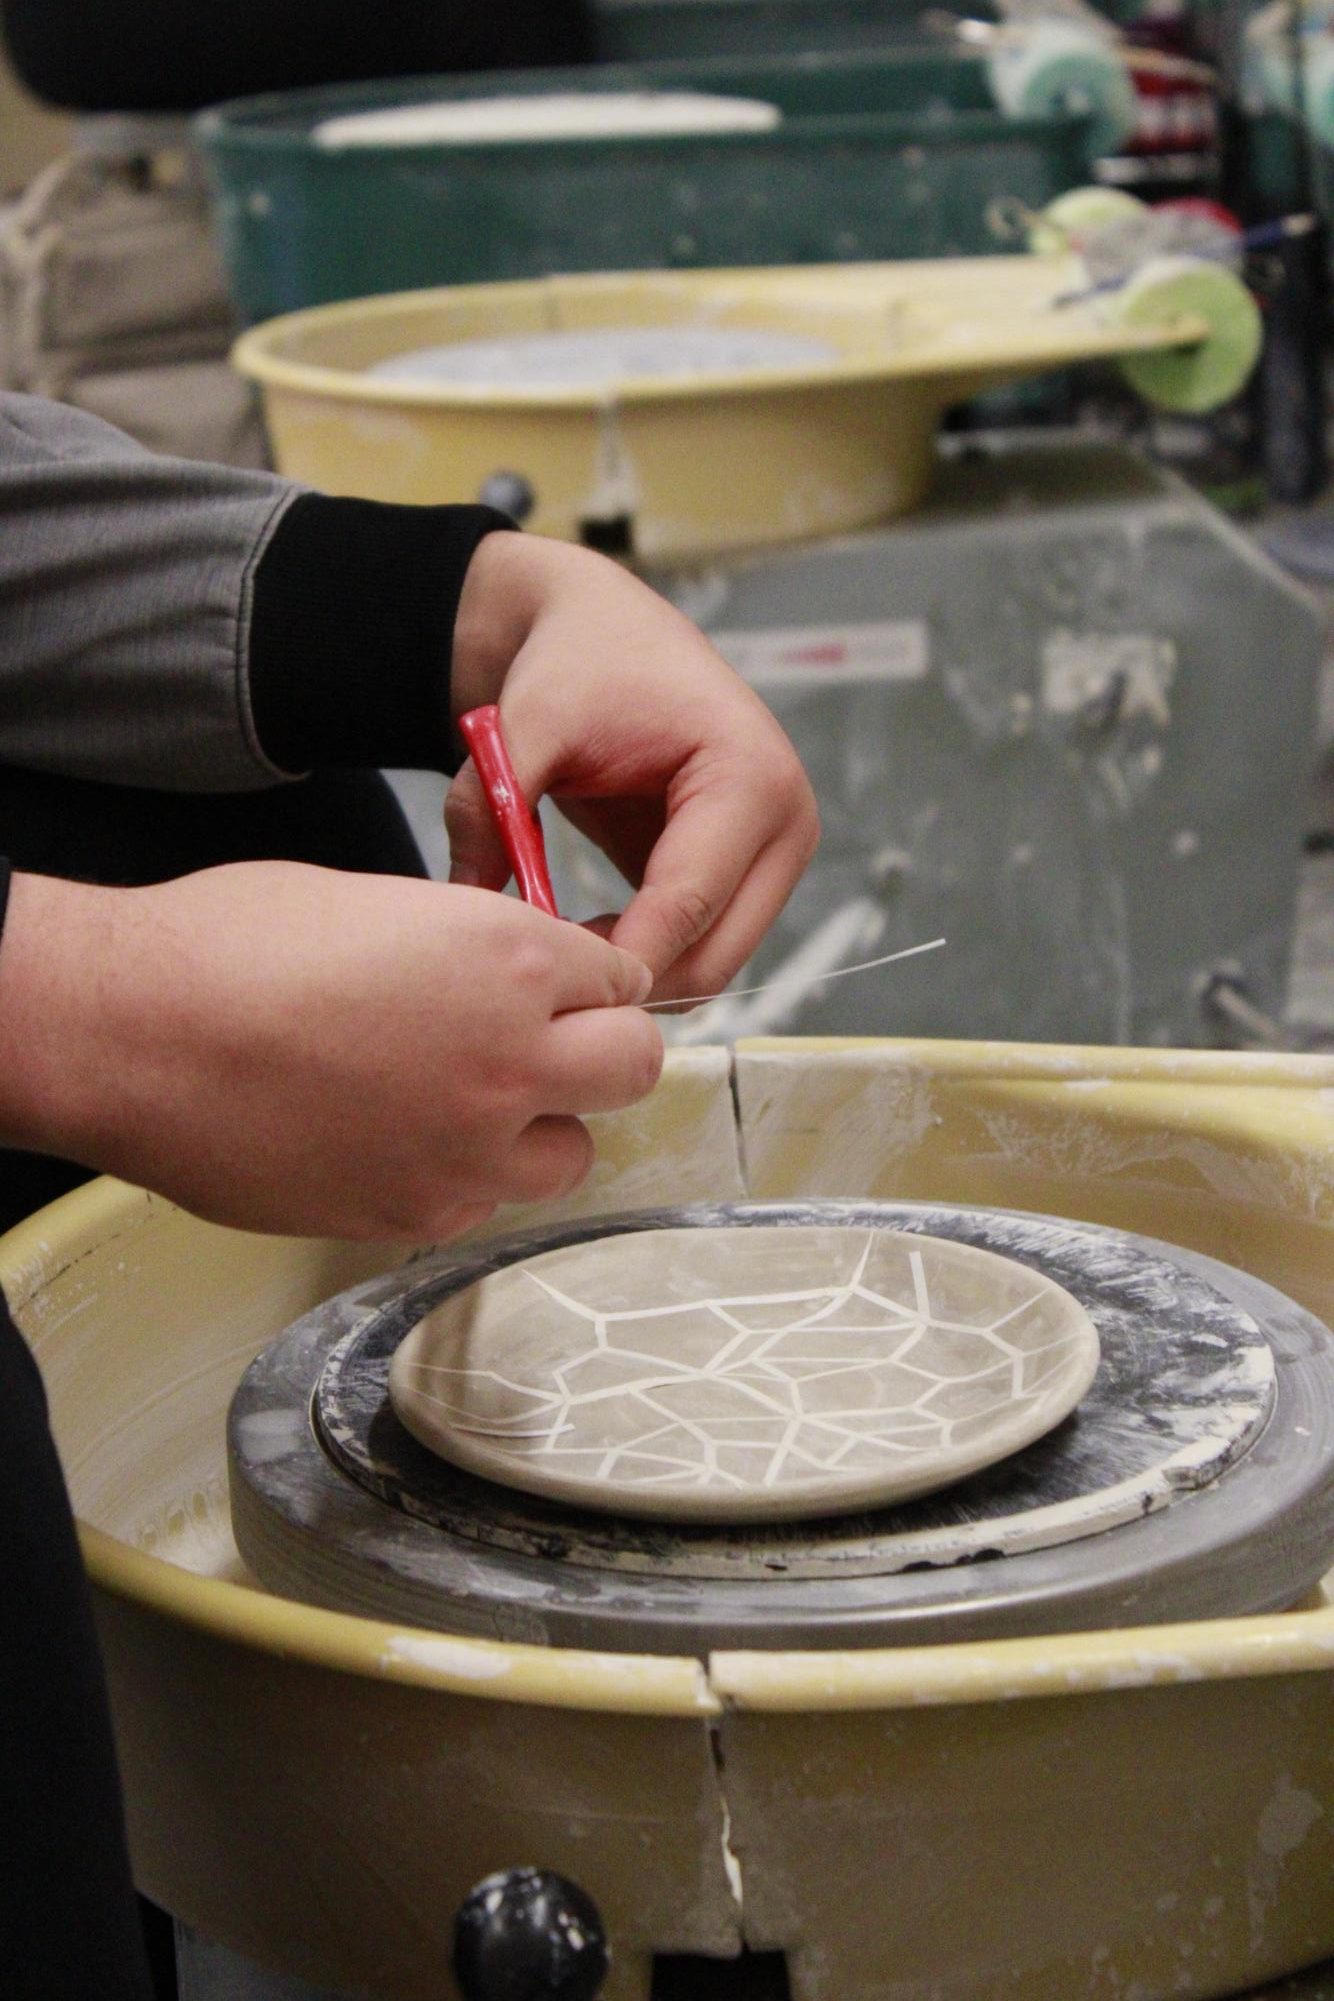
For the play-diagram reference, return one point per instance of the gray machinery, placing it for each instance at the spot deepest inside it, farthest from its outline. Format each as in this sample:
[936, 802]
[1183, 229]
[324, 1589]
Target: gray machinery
[1064, 716]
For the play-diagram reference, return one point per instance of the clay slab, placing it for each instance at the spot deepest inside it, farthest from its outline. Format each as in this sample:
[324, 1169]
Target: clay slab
[741, 1375]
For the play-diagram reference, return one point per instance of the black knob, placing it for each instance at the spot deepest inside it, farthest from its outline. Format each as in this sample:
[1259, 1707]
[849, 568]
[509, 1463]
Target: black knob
[529, 1935]
[510, 492]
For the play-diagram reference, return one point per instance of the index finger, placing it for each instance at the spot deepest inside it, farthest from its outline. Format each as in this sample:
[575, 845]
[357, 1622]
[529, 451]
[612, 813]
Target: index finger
[696, 867]
[721, 871]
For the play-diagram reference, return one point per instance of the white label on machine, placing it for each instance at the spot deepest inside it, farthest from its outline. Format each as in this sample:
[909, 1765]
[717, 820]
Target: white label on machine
[809, 655]
[1080, 669]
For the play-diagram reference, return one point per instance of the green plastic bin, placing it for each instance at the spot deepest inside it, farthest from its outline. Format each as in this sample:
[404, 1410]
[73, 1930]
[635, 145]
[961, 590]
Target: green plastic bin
[648, 30]
[879, 156]
[670, 30]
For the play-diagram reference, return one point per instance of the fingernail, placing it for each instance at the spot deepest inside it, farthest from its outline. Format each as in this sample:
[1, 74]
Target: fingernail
[643, 978]
[463, 877]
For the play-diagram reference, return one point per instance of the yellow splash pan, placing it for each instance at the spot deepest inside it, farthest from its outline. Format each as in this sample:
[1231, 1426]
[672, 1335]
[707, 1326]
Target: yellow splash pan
[1143, 1813]
[693, 465]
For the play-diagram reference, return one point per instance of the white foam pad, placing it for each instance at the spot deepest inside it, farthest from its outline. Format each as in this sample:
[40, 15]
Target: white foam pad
[557, 115]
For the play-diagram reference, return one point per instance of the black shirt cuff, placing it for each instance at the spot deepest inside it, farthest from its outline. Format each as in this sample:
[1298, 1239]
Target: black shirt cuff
[351, 631]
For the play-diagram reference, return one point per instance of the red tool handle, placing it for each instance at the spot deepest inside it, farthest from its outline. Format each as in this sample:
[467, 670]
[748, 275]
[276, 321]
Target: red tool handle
[516, 823]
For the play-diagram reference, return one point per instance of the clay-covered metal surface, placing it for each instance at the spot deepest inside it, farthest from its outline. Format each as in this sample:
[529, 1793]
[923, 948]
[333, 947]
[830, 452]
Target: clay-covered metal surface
[1174, 1492]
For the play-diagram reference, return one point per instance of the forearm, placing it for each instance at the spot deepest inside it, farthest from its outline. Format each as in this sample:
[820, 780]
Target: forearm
[56, 945]
[253, 1040]
[198, 628]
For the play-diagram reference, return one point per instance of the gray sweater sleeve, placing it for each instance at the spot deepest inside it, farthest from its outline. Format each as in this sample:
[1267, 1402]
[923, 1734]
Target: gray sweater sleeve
[126, 584]
[198, 629]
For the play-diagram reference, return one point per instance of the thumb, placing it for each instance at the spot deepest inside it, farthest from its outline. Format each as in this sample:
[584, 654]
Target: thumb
[477, 858]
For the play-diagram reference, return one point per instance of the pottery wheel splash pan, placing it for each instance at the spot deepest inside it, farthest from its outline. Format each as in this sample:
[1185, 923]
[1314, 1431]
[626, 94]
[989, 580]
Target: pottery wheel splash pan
[1195, 1480]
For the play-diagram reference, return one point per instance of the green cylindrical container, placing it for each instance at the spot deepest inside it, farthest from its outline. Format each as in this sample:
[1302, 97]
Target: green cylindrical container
[888, 155]
[660, 30]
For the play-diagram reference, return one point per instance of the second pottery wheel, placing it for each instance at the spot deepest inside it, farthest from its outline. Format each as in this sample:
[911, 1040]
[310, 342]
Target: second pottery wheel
[1193, 1481]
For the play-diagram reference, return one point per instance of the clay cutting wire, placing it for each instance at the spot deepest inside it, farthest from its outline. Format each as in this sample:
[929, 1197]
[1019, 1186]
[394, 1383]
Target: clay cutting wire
[814, 980]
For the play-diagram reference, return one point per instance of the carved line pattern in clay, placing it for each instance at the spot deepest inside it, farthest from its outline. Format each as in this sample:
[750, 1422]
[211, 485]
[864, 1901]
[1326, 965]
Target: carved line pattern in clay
[781, 1439]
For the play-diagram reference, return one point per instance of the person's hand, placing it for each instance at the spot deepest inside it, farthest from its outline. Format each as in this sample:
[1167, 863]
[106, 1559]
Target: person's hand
[615, 705]
[293, 1049]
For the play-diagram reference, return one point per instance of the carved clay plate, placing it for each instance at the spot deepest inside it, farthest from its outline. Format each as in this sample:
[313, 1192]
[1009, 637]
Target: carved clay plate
[742, 1375]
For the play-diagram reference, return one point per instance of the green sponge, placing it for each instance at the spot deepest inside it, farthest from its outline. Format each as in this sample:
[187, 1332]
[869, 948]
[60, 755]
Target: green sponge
[1209, 372]
[1054, 68]
[1072, 218]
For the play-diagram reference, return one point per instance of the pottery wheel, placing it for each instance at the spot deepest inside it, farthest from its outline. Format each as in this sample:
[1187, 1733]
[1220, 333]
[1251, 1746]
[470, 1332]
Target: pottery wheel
[1195, 1479]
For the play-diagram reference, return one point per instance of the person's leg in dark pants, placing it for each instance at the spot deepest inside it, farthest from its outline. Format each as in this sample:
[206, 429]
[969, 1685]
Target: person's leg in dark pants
[69, 1926]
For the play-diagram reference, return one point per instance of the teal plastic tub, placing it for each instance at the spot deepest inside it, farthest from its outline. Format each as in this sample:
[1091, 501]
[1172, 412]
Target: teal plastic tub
[649, 30]
[886, 155]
